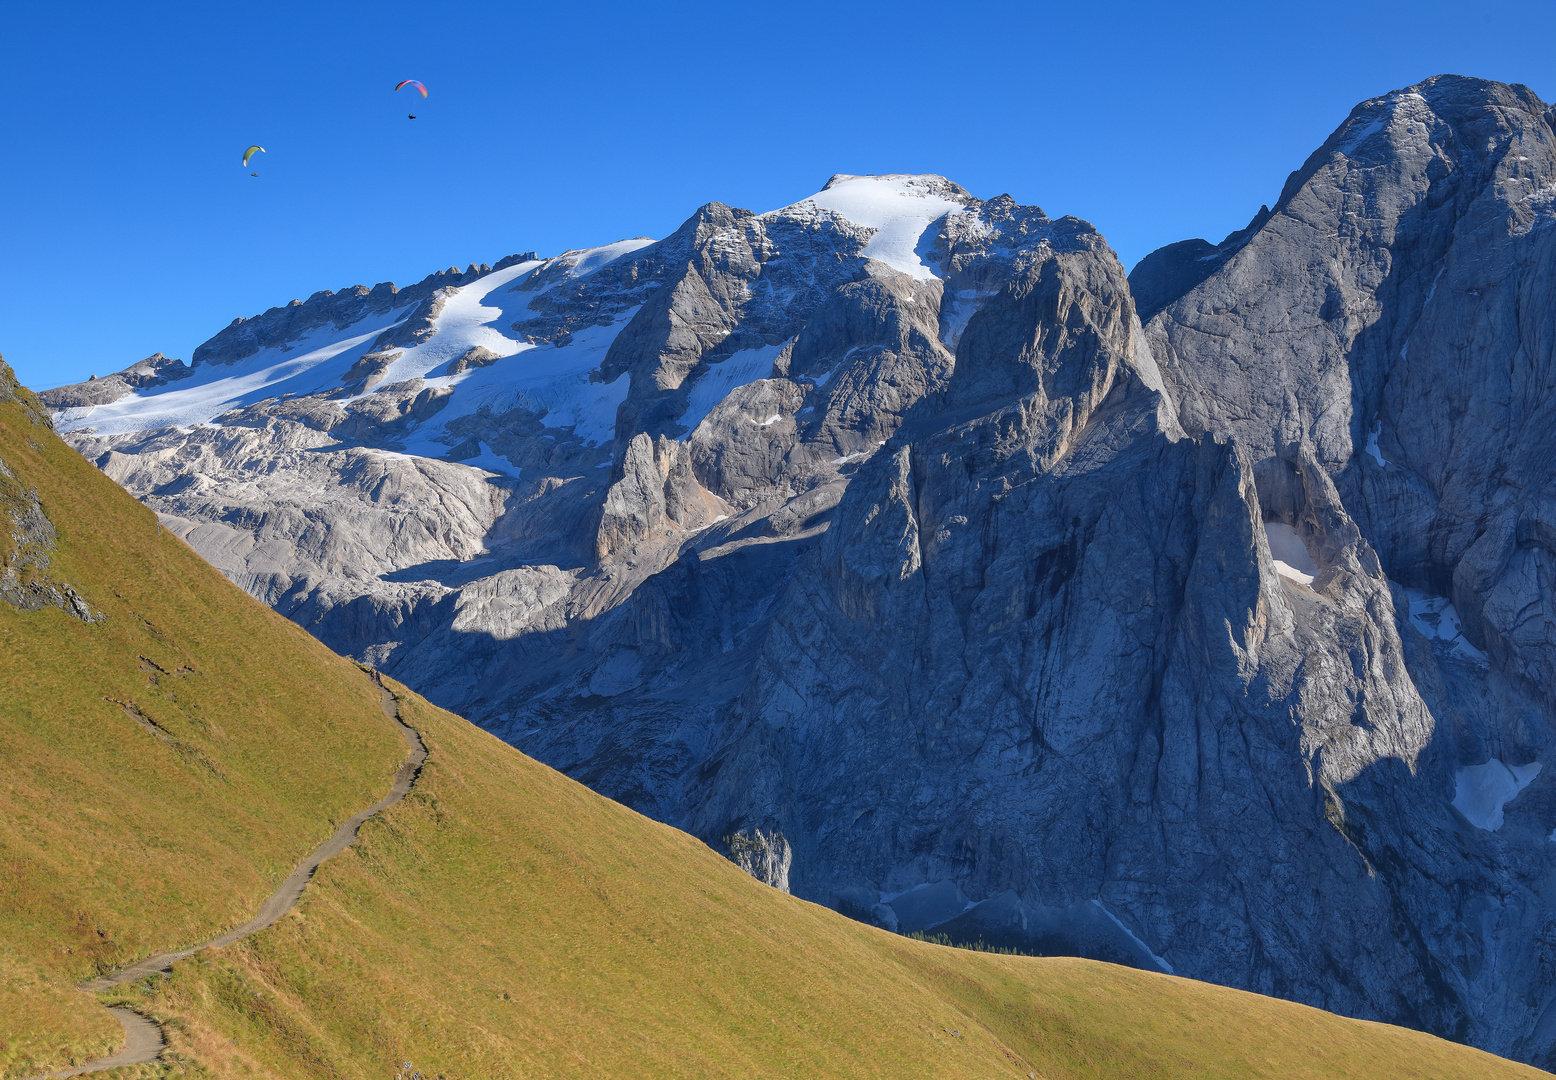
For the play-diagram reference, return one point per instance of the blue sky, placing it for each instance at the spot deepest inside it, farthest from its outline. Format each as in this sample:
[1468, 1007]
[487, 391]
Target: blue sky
[127, 225]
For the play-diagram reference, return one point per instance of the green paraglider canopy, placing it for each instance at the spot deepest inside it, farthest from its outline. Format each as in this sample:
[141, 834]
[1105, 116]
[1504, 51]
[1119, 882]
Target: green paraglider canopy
[251, 151]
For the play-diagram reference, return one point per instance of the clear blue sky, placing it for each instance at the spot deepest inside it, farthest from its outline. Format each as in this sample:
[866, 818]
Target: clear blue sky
[129, 226]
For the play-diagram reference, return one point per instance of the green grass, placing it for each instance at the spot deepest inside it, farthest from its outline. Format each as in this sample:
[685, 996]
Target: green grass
[502, 921]
[114, 843]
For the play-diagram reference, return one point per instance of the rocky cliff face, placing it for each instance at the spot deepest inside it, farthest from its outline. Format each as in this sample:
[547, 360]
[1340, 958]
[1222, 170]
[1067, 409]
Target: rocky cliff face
[1392, 321]
[27, 536]
[882, 521]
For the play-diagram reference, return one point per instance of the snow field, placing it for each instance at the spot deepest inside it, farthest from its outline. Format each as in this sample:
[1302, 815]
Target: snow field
[463, 324]
[317, 361]
[899, 208]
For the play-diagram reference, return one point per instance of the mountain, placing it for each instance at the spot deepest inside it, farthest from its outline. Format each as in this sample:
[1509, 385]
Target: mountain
[882, 520]
[173, 748]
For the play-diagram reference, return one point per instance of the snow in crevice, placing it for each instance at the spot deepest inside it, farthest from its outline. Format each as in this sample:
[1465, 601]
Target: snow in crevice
[717, 380]
[1438, 620]
[1481, 791]
[956, 312]
[1289, 553]
[900, 210]
[1372, 444]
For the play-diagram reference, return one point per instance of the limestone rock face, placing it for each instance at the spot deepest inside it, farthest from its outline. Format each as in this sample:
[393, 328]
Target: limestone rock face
[27, 536]
[155, 370]
[765, 856]
[1390, 326]
[880, 521]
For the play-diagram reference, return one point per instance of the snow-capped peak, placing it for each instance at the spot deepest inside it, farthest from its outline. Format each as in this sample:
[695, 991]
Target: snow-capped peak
[900, 208]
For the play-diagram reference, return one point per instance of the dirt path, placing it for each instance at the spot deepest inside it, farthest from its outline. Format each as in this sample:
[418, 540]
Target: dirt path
[143, 1038]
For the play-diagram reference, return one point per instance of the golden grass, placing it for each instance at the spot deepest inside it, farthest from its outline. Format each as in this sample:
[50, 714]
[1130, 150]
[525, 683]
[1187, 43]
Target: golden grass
[504, 921]
[115, 843]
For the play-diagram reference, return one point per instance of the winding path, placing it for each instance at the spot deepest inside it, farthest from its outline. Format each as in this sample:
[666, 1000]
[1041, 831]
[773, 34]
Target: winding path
[143, 1040]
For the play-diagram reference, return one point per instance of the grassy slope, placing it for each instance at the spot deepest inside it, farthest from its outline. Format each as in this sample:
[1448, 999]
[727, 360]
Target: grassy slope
[502, 921]
[113, 843]
[505, 921]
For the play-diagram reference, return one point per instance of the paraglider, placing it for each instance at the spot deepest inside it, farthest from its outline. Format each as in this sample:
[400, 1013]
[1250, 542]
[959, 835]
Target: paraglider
[417, 84]
[250, 152]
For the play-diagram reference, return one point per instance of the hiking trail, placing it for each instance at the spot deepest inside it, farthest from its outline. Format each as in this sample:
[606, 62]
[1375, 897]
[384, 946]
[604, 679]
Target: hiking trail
[143, 1039]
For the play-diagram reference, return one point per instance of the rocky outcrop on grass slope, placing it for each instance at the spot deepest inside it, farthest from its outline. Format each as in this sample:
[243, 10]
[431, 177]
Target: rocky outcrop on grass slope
[27, 536]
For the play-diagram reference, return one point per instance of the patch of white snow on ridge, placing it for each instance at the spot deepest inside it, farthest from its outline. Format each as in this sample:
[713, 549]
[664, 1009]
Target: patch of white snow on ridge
[316, 361]
[462, 325]
[1438, 620]
[715, 383]
[1480, 791]
[588, 260]
[900, 209]
[1289, 553]
[1165, 965]
[560, 382]
[1361, 134]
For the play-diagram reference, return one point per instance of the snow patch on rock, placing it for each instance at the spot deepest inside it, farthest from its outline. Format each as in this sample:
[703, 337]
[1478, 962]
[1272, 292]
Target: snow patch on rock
[1438, 620]
[714, 385]
[1372, 438]
[1289, 553]
[1480, 791]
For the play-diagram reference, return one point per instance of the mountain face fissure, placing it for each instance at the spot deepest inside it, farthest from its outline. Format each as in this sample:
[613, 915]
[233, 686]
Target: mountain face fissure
[1216, 644]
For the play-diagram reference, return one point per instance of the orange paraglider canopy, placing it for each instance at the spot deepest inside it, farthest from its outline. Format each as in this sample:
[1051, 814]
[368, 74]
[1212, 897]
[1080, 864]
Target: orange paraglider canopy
[412, 82]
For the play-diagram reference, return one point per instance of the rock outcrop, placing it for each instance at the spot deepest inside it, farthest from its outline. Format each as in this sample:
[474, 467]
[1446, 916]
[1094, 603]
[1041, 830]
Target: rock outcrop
[27, 536]
[155, 370]
[765, 856]
[1390, 322]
